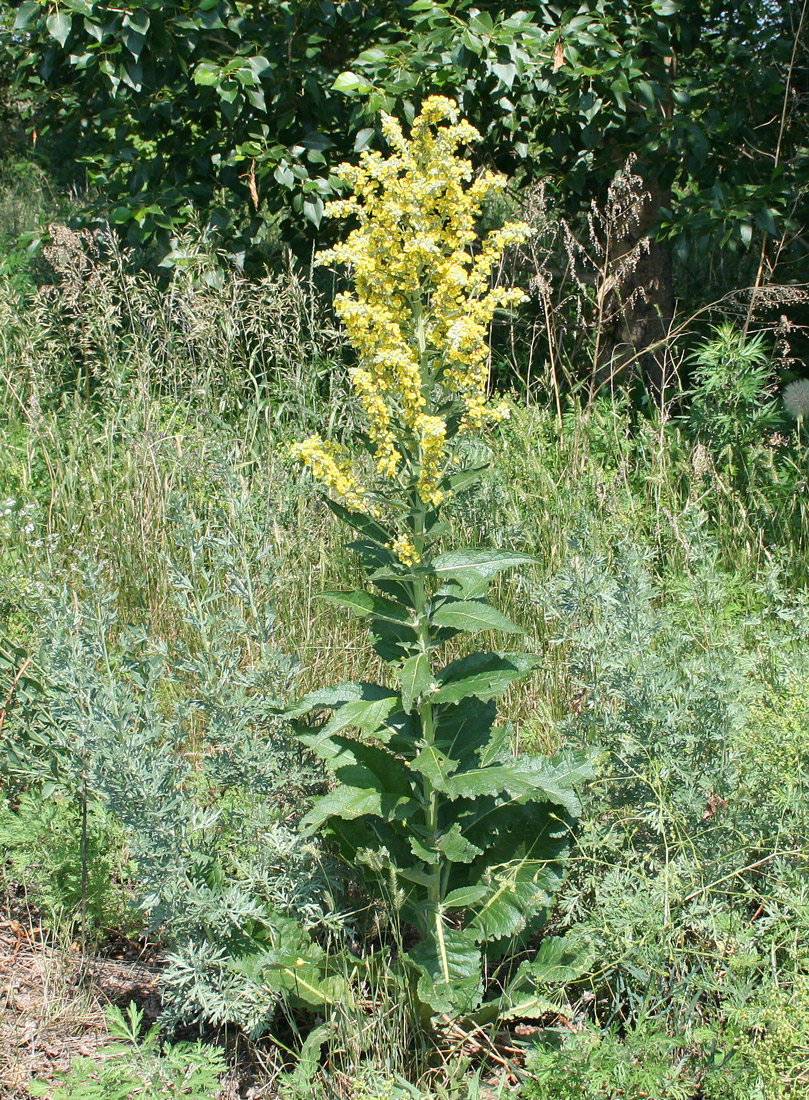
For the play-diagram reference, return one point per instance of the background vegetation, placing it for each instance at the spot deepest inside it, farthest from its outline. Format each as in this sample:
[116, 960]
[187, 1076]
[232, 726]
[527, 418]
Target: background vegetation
[161, 347]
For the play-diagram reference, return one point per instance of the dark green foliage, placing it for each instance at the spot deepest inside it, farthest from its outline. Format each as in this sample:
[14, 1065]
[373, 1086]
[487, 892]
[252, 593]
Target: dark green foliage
[461, 838]
[240, 112]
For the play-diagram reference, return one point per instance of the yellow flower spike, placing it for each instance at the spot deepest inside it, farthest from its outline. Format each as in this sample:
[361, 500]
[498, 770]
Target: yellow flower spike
[419, 313]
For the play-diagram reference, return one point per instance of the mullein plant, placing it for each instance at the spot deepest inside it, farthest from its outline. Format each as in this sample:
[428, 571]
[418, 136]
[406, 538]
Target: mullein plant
[462, 838]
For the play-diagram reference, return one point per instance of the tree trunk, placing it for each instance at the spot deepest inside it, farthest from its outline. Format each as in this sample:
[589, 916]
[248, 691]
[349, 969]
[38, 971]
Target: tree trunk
[639, 302]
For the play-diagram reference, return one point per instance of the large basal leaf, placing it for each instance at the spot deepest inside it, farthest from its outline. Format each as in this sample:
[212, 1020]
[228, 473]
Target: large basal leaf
[557, 961]
[515, 893]
[450, 968]
[473, 615]
[484, 675]
[469, 571]
[293, 964]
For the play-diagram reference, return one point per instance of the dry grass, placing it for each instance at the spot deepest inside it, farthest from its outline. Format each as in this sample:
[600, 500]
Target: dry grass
[52, 1003]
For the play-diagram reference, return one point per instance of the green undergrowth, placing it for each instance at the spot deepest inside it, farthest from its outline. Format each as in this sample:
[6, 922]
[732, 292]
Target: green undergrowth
[159, 563]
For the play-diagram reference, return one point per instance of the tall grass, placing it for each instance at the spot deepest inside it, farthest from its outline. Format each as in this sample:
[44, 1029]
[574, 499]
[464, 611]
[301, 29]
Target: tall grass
[131, 414]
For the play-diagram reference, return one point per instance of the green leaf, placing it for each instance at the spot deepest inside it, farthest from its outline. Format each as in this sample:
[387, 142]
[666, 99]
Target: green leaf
[363, 603]
[484, 675]
[25, 12]
[465, 731]
[207, 74]
[394, 642]
[59, 25]
[471, 570]
[557, 961]
[464, 896]
[434, 764]
[450, 968]
[463, 478]
[366, 715]
[139, 20]
[365, 524]
[336, 696]
[457, 848]
[515, 893]
[415, 679]
[524, 779]
[350, 803]
[350, 84]
[473, 615]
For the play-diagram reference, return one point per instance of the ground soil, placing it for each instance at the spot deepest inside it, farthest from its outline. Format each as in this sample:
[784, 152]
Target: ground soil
[52, 1000]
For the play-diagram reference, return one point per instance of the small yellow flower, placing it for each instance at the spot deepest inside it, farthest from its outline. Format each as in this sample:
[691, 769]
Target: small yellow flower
[405, 550]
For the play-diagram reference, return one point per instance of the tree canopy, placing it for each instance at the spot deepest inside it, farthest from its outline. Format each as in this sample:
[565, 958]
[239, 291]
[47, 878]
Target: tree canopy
[238, 110]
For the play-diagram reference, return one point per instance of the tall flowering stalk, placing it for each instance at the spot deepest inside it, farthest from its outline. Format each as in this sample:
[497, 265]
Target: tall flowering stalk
[465, 839]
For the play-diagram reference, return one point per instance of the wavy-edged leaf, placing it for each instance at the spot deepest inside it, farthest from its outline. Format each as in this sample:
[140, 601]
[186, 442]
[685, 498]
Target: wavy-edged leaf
[366, 715]
[473, 615]
[524, 779]
[484, 675]
[558, 960]
[464, 896]
[332, 697]
[465, 730]
[456, 847]
[350, 803]
[515, 893]
[433, 764]
[470, 571]
[450, 968]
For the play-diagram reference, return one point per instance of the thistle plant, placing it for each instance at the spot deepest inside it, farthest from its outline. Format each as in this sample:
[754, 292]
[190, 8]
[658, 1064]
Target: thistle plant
[461, 837]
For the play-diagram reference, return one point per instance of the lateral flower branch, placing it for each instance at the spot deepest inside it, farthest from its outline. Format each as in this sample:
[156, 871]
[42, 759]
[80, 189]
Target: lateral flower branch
[463, 838]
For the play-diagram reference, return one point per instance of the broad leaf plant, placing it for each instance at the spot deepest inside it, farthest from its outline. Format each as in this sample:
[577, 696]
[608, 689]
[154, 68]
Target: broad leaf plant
[464, 839]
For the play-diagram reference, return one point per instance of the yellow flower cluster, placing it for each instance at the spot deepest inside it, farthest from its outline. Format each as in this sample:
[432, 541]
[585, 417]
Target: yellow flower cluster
[405, 550]
[422, 301]
[329, 463]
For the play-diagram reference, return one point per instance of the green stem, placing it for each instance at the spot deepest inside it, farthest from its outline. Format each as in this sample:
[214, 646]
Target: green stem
[426, 715]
